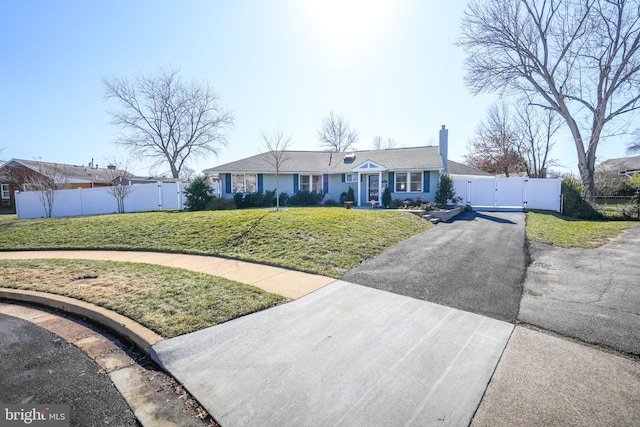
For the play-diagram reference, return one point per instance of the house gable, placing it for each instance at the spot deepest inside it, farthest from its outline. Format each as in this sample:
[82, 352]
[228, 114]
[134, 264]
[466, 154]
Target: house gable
[369, 166]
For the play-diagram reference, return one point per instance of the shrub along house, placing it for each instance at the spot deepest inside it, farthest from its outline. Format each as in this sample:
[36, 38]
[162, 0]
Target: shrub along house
[408, 172]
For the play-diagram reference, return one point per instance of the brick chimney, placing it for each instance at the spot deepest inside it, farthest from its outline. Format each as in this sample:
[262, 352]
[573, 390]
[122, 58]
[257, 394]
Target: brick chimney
[444, 148]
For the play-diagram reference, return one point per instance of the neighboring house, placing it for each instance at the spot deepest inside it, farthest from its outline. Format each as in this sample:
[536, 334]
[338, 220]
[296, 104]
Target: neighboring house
[18, 173]
[408, 172]
[627, 166]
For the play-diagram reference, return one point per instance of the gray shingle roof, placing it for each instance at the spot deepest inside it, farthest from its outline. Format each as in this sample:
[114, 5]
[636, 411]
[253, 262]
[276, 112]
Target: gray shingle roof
[621, 165]
[72, 172]
[420, 158]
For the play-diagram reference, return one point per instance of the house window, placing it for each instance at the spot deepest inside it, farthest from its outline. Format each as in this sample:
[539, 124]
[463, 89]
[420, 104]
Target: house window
[408, 182]
[311, 183]
[351, 177]
[244, 183]
[4, 191]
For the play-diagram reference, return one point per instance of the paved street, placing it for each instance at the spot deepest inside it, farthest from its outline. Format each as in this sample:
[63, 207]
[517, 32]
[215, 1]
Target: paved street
[590, 294]
[475, 263]
[37, 366]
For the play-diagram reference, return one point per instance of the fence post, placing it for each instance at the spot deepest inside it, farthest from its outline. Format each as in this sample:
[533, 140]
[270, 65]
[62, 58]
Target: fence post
[524, 195]
[159, 185]
[81, 201]
[178, 187]
[15, 198]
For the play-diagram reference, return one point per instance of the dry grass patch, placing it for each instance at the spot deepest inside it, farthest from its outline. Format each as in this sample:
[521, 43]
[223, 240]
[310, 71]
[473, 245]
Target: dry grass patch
[169, 301]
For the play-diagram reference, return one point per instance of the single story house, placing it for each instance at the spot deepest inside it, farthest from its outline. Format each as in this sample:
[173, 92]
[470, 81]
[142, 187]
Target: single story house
[17, 174]
[408, 172]
[627, 166]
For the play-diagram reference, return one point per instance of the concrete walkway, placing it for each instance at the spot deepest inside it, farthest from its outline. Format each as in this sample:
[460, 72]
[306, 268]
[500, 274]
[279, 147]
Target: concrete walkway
[288, 283]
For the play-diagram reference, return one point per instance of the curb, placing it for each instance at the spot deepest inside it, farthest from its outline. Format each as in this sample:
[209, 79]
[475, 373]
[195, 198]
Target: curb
[142, 337]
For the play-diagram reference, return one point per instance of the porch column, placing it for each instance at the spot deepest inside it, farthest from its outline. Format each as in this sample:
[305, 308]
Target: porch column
[359, 180]
[380, 188]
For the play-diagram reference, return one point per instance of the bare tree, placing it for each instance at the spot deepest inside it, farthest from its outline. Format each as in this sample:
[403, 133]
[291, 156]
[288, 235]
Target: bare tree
[167, 120]
[336, 134]
[45, 183]
[121, 187]
[5, 173]
[379, 143]
[536, 128]
[578, 58]
[276, 145]
[634, 146]
[495, 147]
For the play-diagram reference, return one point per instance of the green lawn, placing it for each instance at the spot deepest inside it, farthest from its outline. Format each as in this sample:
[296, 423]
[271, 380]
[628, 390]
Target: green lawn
[558, 230]
[326, 241]
[169, 301]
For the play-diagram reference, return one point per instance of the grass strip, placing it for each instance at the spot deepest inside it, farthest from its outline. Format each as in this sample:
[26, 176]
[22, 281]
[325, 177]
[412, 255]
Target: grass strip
[554, 229]
[169, 301]
[327, 241]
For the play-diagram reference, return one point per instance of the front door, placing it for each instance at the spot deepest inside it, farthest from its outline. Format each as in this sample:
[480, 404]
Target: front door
[374, 187]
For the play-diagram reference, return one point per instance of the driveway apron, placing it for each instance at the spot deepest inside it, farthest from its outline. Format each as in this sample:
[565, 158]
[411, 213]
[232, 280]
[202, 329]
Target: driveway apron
[345, 355]
[475, 263]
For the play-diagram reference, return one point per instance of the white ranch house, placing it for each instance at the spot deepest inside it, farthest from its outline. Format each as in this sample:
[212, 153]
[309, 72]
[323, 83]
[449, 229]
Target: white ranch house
[408, 172]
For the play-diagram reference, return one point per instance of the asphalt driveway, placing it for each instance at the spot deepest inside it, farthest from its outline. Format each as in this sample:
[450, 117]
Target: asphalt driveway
[476, 263]
[589, 294]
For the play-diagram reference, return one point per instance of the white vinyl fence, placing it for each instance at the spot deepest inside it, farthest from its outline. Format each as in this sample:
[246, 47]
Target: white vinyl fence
[95, 201]
[510, 193]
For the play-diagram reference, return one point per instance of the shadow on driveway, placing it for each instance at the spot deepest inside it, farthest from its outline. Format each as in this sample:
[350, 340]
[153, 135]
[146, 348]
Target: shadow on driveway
[475, 263]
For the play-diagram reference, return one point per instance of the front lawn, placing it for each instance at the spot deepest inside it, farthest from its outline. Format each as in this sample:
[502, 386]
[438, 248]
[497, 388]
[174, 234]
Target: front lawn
[554, 229]
[169, 301]
[327, 241]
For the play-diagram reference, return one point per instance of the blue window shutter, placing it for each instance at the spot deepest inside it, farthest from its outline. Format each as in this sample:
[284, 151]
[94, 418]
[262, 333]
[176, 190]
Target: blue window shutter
[392, 177]
[426, 183]
[227, 183]
[325, 183]
[343, 178]
[260, 183]
[296, 183]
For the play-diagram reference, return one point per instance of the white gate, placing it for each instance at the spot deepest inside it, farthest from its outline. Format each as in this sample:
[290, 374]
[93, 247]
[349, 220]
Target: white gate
[510, 193]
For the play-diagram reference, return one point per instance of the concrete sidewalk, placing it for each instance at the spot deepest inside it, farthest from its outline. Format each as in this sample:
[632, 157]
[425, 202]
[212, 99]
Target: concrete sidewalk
[346, 355]
[281, 281]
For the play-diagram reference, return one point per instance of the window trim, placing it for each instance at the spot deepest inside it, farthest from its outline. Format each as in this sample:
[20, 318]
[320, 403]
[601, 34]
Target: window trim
[244, 182]
[354, 177]
[310, 182]
[5, 188]
[408, 181]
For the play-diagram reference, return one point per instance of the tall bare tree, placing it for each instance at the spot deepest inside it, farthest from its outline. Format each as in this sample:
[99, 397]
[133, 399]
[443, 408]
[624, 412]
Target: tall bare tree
[379, 143]
[276, 145]
[536, 128]
[578, 58]
[50, 178]
[634, 146]
[495, 148]
[167, 120]
[336, 134]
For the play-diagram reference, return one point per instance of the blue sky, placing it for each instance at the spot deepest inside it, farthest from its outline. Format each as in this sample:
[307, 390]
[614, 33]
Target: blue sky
[389, 67]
